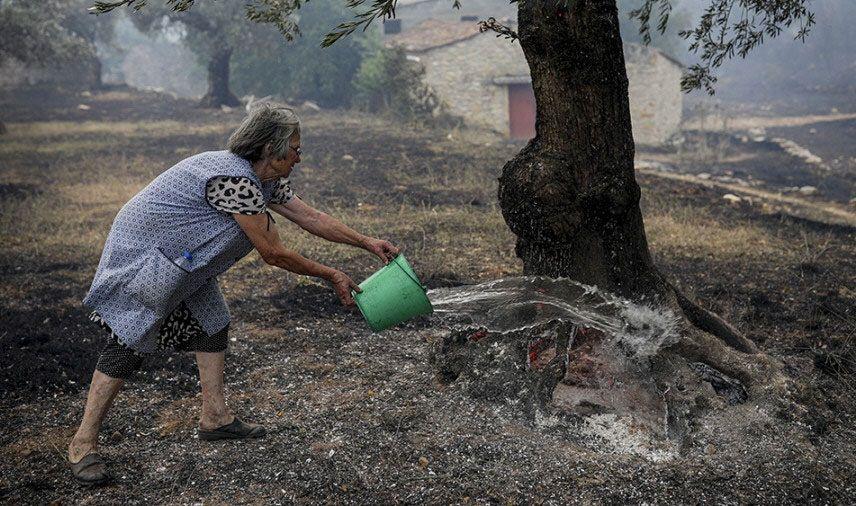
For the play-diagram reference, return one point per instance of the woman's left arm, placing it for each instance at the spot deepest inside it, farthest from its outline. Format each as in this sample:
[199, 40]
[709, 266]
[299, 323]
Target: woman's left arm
[327, 227]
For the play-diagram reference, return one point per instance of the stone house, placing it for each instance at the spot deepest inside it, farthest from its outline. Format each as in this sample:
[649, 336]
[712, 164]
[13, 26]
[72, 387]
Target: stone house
[656, 99]
[485, 79]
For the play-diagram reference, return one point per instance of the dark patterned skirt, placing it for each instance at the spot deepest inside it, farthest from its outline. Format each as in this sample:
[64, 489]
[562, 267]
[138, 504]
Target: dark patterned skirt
[180, 331]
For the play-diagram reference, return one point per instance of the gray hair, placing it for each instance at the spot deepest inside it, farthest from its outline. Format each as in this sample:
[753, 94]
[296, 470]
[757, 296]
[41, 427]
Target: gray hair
[264, 132]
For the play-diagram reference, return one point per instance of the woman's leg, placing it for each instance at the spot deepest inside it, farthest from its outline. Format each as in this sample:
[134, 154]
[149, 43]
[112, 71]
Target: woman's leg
[102, 391]
[115, 365]
[214, 411]
[211, 358]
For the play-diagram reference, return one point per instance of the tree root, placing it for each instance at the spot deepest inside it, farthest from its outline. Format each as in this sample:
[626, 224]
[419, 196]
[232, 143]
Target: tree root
[756, 371]
[709, 340]
[714, 324]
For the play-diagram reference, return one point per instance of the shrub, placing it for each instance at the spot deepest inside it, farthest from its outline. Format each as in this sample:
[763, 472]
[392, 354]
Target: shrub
[387, 82]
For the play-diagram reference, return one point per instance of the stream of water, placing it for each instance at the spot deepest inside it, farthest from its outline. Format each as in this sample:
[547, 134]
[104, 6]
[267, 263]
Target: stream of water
[519, 303]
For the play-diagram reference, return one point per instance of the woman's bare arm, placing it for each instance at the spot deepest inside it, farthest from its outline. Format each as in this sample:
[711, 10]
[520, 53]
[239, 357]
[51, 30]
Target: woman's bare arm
[319, 223]
[267, 242]
[327, 227]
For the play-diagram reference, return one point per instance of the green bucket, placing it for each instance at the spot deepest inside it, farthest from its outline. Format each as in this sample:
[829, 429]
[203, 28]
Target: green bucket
[392, 295]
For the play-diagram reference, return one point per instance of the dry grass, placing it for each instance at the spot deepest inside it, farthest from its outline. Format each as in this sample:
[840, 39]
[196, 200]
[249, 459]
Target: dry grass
[470, 242]
[440, 240]
[64, 138]
[687, 232]
[64, 223]
[81, 193]
[40, 129]
[715, 122]
[50, 440]
[824, 212]
[77, 176]
[179, 415]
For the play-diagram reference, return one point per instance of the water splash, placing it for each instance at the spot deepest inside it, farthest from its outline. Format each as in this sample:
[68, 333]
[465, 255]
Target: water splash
[520, 303]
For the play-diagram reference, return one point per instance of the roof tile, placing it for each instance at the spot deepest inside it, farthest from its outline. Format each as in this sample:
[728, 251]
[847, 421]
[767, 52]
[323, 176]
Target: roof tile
[433, 33]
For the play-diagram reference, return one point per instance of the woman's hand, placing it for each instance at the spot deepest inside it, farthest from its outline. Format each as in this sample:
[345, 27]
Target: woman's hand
[383, 249]
[343, 285]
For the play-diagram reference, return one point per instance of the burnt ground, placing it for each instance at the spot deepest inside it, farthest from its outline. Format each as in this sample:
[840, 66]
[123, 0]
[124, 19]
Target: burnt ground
[764, 162]
[832, 141]
[360, 417]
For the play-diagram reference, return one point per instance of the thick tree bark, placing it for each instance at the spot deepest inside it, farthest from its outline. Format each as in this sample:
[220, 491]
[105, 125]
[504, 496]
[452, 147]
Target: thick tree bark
[218, 82]
[572, 199]
[571, 196]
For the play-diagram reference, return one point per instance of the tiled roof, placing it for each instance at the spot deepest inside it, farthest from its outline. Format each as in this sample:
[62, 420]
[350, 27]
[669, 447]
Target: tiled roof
[433, 33]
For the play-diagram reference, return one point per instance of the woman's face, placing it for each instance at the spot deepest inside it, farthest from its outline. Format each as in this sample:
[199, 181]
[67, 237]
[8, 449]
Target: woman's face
[282, 167]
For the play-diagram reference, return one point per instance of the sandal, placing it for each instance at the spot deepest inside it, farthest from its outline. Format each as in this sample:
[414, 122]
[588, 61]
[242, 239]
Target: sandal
[235, 430]
[90, 470]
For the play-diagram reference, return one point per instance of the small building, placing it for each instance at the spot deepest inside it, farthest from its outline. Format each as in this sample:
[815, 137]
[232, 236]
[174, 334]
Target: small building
[485, 79]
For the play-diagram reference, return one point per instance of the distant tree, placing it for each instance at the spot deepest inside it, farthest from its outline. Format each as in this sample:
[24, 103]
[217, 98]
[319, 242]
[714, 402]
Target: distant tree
[34, 33]
[213, 30]
[300, 68]
[389, 83]
[49, 32]
[571, 196]
[92, 31]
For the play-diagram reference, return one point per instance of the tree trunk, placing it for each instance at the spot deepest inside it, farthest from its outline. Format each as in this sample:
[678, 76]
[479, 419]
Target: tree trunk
[571, 198]
[218, 82]
[571, 195]
[97, 67]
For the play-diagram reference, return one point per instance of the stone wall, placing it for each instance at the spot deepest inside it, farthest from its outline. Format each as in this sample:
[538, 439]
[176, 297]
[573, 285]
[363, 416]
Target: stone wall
[655, 94]
[462, 75]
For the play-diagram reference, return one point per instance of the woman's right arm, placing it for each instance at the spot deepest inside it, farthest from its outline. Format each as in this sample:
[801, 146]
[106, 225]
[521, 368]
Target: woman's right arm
[266, 241]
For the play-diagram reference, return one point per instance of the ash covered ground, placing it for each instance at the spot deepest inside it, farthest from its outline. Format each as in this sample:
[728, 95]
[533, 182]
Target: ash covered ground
[362, 417]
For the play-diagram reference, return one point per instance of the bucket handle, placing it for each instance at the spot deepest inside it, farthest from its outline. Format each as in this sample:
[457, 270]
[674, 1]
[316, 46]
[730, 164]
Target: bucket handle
[423, 287]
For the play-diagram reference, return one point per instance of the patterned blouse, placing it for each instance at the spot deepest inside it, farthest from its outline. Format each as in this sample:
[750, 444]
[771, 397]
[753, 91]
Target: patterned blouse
[240, 195]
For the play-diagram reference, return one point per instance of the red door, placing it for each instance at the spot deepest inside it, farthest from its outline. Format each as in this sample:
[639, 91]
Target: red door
[521, 111]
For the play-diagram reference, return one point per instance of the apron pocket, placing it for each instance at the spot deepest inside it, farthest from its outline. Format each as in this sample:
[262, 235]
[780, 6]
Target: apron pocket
[157, 281]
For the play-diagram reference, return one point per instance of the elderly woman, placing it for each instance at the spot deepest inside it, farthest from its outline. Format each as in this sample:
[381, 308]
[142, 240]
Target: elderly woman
[156, 285]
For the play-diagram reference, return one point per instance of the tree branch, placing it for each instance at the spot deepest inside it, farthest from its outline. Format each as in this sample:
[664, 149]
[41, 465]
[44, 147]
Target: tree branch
[719, 34]
[492, 25]
[384, 9]
[103, 7]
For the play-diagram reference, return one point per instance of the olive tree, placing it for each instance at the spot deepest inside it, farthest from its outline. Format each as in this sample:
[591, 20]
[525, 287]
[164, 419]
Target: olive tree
[51, 32]
[213, 30]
